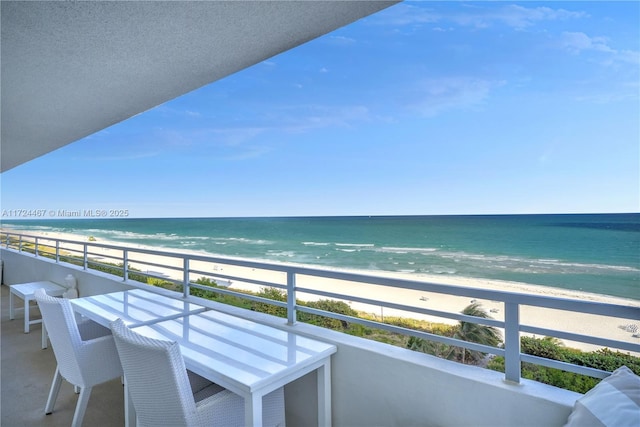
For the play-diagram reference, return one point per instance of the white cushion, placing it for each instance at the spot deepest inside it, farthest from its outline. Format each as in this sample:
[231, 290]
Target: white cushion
[615, 401]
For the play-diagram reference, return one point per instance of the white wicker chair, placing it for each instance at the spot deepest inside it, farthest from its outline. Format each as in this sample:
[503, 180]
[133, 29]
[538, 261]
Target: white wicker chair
[159, 386]
[85, 352]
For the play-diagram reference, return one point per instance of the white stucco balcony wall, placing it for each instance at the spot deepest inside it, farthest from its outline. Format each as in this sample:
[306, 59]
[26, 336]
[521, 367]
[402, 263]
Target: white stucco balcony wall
[373, 384]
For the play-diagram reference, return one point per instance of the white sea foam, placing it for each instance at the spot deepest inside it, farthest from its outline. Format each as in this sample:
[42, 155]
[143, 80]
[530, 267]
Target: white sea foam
[31, 227]
[243, 240]
[442, 270]
[396, 243]
[589, 266]
[400, 250]
[132, 235]
[286, 254]
[532, 266]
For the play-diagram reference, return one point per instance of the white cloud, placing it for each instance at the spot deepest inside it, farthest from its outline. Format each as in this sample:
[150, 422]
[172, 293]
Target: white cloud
[341, 40]
[579, 42]
[516, 16]
[308, 117]
[232, 137]
[443, 94]
[167, 110]
[119, 157]
[477, 15]
[576, 42]
[230, 143]
[407, 14]
[630, 56]
[236, 143]
[623, 91]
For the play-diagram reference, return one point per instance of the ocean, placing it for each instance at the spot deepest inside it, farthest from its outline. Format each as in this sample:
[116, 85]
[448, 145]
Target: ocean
[598, 253]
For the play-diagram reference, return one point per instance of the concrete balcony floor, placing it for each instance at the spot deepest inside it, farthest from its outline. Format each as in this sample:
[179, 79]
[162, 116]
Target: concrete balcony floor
[26, 374]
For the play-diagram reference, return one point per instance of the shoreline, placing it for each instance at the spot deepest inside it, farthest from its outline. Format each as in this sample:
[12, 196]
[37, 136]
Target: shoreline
[598, 326]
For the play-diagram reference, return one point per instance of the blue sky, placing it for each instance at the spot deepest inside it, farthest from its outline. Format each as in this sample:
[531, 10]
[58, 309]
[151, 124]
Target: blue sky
[423, 108]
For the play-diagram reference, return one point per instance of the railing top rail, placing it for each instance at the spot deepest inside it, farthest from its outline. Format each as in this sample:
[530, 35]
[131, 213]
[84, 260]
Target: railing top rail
[591, 307]
[566, 304]
[512, 300]
[174, 254]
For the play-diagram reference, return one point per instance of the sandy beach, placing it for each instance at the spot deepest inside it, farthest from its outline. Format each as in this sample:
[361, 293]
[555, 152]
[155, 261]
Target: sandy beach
[599, 326]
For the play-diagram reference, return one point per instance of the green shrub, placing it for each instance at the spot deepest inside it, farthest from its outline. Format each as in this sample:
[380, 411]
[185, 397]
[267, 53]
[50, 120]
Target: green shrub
[338, 307]
[551, 348]
[604, 359]
[165, 284]
[202, 293]
[546, 347]
[274, 294]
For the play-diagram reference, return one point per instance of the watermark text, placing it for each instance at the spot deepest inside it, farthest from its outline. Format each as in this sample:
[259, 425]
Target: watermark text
[65, 213]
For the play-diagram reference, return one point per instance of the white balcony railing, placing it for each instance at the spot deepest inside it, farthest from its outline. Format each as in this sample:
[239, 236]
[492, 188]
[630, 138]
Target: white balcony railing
[183, 268]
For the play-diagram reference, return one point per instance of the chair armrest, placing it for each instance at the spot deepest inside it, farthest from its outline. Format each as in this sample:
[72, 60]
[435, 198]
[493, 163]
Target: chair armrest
[224, 408]
[99, 359]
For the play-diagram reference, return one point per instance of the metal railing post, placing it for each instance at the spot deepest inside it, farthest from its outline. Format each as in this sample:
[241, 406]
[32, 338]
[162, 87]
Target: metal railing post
[125, 265]
[85, 257]
[185, 277]
[512, 342]
[512, 352]
[291, 297]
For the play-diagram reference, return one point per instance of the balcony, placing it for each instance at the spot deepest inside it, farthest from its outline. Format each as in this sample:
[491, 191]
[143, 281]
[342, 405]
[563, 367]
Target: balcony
[372, 383]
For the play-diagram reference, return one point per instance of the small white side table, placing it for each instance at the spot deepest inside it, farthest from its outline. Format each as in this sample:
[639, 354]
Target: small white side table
[27, 291]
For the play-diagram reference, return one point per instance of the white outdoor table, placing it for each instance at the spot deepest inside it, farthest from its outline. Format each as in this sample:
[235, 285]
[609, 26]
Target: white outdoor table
[27, 291]
[135, 307]
[248, 358]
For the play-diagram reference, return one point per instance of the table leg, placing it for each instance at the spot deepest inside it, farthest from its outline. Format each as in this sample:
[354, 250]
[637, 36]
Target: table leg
[11, 302]
[130, 419]
[324, 394]
[26, 315]
[44, 336]
[253, 411]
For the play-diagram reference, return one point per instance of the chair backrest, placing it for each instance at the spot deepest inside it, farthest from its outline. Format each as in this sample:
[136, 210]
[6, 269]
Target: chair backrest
[60, 321]
[156, 377]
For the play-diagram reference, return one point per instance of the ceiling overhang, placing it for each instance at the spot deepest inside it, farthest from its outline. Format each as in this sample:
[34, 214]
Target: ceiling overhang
[70, 69]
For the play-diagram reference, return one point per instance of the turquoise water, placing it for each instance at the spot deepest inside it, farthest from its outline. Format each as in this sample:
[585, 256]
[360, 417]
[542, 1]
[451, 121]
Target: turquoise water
[594, 253]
